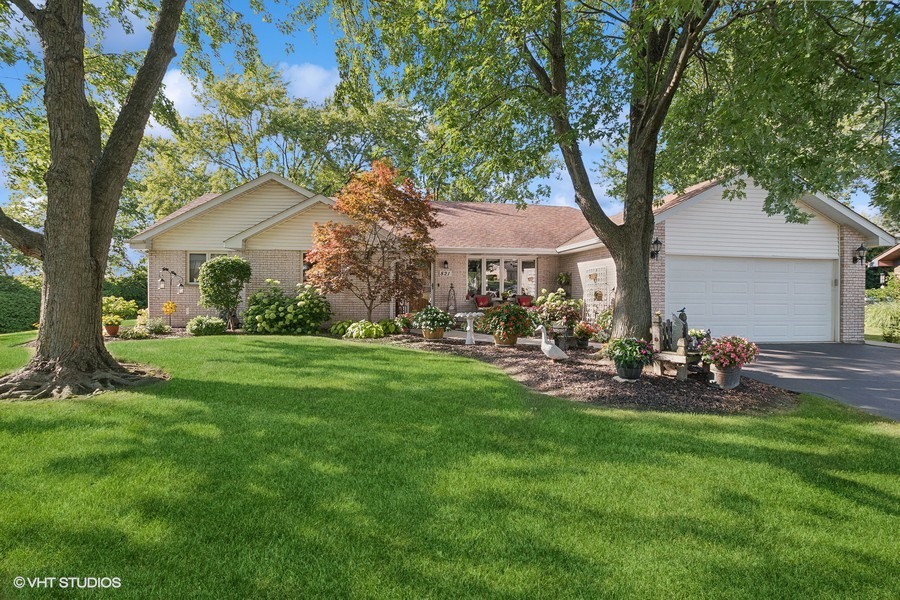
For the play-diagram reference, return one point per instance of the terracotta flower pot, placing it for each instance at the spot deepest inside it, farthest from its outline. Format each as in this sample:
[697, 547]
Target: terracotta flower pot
[502, 339]
[111, 330]
[726, 379]
[433, 334]
[629, 371]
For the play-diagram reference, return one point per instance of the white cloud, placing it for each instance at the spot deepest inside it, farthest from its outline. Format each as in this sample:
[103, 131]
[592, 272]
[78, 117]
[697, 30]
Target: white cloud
[178, 88]
[310, 81]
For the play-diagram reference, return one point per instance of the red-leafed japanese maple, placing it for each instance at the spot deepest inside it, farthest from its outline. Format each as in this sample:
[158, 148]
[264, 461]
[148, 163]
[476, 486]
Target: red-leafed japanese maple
[383, 254]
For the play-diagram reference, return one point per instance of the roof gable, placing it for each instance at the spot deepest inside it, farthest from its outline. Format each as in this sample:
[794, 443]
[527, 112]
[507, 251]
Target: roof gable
[209, 201]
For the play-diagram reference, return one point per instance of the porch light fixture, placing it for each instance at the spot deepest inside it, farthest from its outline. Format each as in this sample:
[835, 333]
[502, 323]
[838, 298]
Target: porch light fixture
[446, 264]
[860, 255]
[655, 248]
[882, 278]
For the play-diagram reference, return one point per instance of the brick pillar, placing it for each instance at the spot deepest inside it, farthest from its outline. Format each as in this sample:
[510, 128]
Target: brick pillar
[853, 288]
[658, 272]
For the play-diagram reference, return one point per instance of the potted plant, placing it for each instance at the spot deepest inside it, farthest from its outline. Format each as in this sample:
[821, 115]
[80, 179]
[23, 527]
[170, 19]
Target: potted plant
[111, 324]
[725, 356]
[433, 321]
[557, 314]
[404, 322]
[629, 355]
[583, 332]
[506, 322]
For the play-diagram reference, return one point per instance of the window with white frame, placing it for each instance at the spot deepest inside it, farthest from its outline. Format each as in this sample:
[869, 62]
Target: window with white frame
[196, 260]
[499, 276]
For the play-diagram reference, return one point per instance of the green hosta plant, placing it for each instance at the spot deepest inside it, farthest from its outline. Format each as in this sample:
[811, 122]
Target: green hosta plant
[629, 352]
[156, 327]
[340, 327]
[389, 326]
[431, 318]
[206, 326]
[138, 332]
[363, 330]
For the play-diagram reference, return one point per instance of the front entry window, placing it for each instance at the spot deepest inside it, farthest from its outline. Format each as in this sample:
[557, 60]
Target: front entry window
[501, 277]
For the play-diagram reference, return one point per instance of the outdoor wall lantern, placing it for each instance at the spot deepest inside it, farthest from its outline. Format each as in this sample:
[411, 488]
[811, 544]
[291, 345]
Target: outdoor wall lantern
[655, 248]
[860, 255]
[882, 278]
[446, 264]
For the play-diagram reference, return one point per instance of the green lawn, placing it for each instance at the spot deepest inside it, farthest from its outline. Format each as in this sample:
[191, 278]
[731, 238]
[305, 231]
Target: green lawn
[295, 467]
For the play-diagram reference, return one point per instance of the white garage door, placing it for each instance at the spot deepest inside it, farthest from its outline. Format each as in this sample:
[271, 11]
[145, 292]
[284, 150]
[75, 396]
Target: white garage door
[764, 300]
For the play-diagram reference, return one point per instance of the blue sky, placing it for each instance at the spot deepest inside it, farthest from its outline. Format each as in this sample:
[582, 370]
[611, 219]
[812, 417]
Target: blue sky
[311, 72]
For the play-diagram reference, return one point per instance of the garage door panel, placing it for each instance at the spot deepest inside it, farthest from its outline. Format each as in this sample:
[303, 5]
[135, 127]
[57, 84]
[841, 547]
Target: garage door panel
[766, 300]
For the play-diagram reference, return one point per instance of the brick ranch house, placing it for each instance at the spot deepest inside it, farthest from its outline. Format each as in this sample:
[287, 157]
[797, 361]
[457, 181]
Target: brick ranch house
[735, 269]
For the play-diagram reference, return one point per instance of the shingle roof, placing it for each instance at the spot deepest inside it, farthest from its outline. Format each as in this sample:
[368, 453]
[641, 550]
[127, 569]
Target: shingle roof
[486, 225]
[663, 204]
[888, 258]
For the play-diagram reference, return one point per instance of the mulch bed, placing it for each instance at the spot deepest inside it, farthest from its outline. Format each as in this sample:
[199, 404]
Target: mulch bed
[585, 378]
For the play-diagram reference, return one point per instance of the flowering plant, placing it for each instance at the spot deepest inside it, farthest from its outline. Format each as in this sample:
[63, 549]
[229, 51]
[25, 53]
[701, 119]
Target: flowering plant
[629, 352]
[554, 308]
[112, 320]
[585, 331]
[431, 317]
[507, 319]
[728, 351]
[169, 308]
[404, 321]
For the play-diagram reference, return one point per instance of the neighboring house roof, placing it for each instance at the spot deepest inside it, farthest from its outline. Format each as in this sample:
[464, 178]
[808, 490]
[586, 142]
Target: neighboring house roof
[208, 201]
[504, 227]
[888, 258]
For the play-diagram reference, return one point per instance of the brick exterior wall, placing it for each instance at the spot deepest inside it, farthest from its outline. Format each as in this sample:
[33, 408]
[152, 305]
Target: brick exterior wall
[569, 263]
[658, 272]
[282, 265]
[853, 288]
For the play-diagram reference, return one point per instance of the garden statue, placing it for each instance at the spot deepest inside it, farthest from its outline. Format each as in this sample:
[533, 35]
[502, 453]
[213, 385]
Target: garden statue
[550, 349]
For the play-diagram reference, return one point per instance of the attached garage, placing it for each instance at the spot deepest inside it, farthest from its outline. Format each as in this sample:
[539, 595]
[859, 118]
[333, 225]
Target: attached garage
[738, 271]
[763, 299]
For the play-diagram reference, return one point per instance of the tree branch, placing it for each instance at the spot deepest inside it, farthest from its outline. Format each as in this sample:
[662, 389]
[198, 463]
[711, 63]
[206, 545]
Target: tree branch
[28, 242]
[115, 162]
[31, 12]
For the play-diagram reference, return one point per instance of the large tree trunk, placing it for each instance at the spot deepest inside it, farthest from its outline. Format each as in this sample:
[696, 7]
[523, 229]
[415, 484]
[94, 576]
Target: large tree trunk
[84, 182]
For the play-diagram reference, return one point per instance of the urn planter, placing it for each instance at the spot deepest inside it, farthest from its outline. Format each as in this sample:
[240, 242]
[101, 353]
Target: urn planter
[629, 371]
[726, 379]
[582, 344]
[503, 339]
[433, 334]
[111, 330]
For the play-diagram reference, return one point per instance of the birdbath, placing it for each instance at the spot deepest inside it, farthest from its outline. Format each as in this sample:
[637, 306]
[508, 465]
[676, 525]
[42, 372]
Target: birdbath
[470, 325]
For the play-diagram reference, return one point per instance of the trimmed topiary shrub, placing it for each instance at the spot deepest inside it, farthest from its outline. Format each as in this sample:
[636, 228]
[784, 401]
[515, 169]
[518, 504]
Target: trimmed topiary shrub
[222, 280]
[206, 326]
[270, 310]
[363, 330]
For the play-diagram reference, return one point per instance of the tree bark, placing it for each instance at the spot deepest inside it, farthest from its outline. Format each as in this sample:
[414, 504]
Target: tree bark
[84, 182]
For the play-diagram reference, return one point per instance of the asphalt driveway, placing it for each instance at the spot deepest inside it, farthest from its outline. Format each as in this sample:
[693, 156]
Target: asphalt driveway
[861, 375]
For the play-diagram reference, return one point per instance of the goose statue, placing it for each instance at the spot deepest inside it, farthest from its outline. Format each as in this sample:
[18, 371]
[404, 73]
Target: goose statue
[550, 349]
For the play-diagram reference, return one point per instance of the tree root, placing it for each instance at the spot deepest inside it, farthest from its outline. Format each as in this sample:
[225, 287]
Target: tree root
[50, 380]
